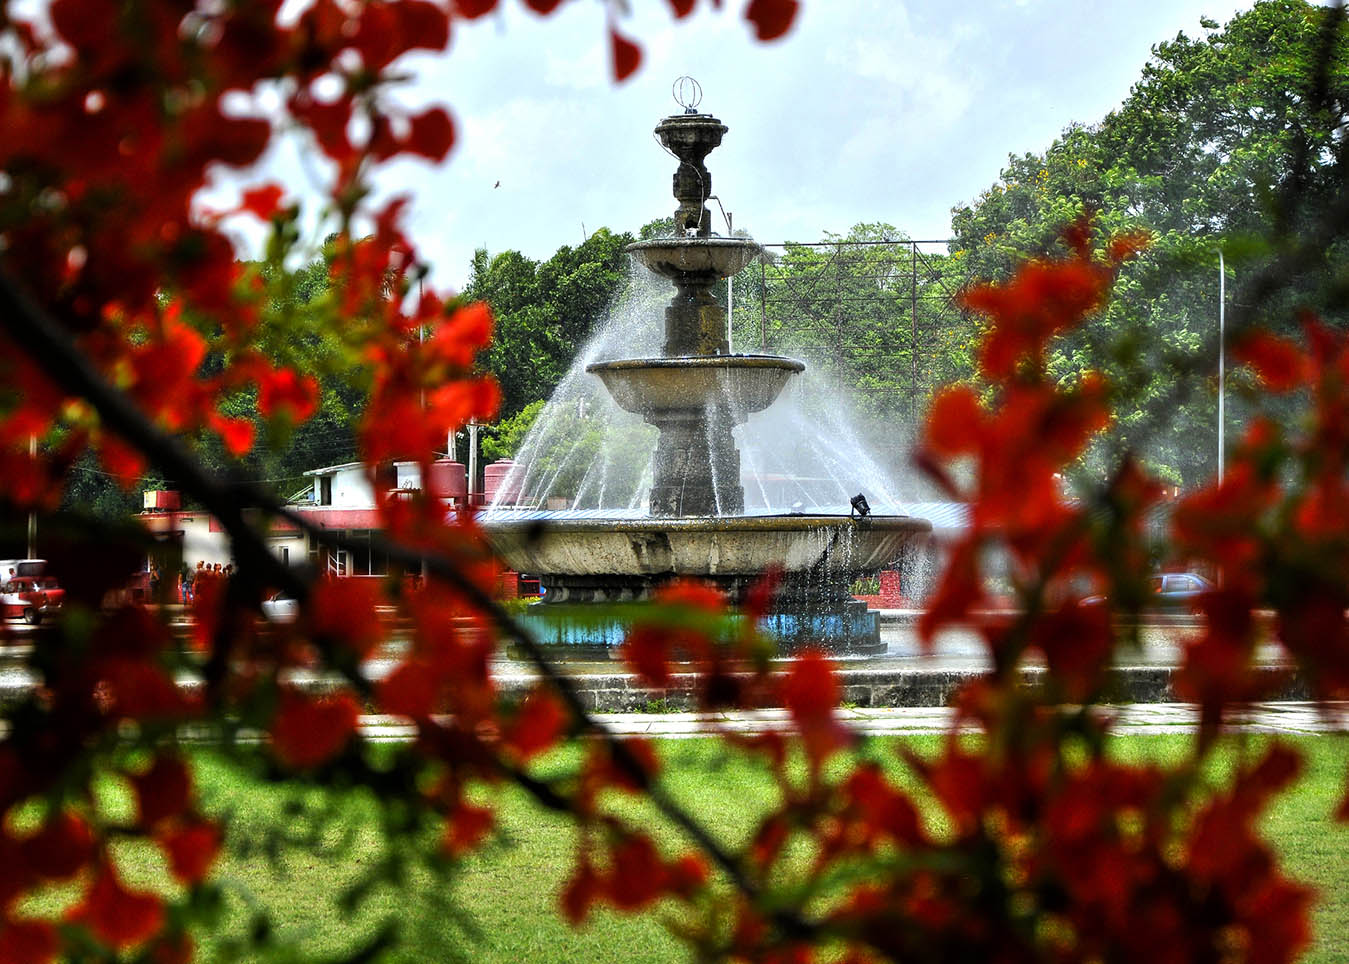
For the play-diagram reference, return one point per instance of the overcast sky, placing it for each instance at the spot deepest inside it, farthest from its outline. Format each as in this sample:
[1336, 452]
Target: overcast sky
[869, 110]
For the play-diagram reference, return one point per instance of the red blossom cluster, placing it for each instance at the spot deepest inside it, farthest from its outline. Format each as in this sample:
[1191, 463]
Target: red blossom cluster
[1050, 849]
[1277, 528]
[114, 115]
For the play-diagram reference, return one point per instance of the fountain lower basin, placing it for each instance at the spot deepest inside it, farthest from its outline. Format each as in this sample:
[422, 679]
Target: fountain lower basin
[583, 560]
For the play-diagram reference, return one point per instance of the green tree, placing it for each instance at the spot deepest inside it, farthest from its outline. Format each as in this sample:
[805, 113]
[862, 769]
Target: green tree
[848, 305]
[1196, 156]
[545, 311]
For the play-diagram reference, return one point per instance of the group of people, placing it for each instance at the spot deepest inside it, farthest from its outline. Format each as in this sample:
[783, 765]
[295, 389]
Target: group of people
[190, 581]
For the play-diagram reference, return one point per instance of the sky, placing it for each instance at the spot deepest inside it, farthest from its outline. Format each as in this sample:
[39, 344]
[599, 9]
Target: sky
[869, 110]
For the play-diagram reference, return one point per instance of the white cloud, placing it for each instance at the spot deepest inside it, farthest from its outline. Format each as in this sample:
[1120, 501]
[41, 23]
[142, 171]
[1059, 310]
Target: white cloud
[870, 110]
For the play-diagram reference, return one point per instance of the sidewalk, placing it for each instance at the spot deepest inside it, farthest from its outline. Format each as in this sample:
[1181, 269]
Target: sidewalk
[1295, 718]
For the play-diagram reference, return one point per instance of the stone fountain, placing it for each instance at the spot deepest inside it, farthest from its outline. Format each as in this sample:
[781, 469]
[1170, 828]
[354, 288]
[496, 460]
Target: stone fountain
[696, 392]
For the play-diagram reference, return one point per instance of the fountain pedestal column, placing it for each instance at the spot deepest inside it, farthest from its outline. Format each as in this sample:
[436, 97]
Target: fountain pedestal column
[696, 468]
[695, 323]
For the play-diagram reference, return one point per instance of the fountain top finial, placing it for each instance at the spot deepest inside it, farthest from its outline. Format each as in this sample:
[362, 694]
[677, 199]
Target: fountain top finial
[688, 93]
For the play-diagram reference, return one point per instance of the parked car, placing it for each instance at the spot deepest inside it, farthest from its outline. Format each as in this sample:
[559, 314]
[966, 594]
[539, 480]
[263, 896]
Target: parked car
[1169, 591]
[31, 598]
[280, 608]
[1177, 590]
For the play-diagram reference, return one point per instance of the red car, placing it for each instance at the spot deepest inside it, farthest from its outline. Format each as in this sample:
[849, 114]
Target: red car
[30, 598]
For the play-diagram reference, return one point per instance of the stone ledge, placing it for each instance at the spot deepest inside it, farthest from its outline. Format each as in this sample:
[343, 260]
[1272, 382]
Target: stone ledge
[862, 688]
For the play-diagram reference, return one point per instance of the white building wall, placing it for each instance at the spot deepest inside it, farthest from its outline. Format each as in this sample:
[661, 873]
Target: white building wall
[408, 475]
[200, 544]
[352, 489]
[289, 547]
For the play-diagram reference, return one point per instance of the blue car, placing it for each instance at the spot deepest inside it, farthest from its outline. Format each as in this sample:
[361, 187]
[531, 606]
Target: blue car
[1178, 590]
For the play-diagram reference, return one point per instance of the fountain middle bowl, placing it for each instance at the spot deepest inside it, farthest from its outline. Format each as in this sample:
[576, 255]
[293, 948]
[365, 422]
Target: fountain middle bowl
[743, 384]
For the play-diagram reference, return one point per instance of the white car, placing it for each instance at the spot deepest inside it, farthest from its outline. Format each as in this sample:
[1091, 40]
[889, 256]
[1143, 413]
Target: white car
[280, 608]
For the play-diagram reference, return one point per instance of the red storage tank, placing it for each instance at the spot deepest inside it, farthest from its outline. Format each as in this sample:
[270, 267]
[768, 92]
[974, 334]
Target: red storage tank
[449, 480]
[494, 479]
[162, 500]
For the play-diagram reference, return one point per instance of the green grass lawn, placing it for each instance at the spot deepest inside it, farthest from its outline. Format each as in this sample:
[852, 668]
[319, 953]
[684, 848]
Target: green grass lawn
[500, 904]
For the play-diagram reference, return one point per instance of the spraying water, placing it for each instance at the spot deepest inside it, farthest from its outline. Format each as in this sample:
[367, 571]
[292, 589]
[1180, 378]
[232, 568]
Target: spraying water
[585, 453]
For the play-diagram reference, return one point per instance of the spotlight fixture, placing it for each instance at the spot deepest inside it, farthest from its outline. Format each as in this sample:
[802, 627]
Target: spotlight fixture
[859, 506]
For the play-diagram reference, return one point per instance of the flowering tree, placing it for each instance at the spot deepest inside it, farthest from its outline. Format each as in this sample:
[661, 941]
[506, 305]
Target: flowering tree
[128, 323]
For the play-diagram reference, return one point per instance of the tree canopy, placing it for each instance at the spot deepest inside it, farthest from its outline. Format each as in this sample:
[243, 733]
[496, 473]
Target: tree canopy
[1199, 156]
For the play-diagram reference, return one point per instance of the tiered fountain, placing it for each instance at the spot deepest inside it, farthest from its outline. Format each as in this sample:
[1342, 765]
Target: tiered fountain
[695, 393]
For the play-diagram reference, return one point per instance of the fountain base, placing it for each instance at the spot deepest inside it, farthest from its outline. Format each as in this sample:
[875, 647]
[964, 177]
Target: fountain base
[840, 626]
[590, 567]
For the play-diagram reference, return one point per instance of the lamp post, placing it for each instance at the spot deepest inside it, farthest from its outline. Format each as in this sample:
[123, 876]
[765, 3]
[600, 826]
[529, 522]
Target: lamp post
[1222, 353]
[32, 516]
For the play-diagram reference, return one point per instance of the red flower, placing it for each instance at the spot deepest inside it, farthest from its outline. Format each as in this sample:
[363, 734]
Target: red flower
[539, 724]
[263, 202]
[285, 393]
[467, 827]
[432, 134]
[627, 55]
[28, 942]
[1043, 299]
[191, 849]
[955, 422]
[116, 916]
[1280, 363]
[410, 689]
[62, 848]
[581, 891]
[638, 875]
[236, 433]
[173, 949]
[309, 732]
[163, 791]
[474, 8]
[771, 18]
[647, 649]
[342, 612]
[810, 691]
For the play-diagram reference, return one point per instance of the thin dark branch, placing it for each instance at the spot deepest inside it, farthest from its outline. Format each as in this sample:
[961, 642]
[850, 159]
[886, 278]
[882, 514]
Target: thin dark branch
[51, 347]
[56, 353]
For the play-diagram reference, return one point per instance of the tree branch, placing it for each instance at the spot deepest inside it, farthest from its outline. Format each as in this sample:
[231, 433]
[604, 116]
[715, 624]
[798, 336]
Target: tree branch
[48, 345]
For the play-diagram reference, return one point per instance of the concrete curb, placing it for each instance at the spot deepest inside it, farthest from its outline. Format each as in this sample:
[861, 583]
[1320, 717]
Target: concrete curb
[887, 688]
[869, 688]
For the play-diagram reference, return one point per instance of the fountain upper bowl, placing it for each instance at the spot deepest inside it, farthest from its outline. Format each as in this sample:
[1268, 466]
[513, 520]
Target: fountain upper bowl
[694, 258]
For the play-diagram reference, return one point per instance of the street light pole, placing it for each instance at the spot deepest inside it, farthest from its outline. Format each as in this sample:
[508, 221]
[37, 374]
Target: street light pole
[1222, 354]
[32, 516]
